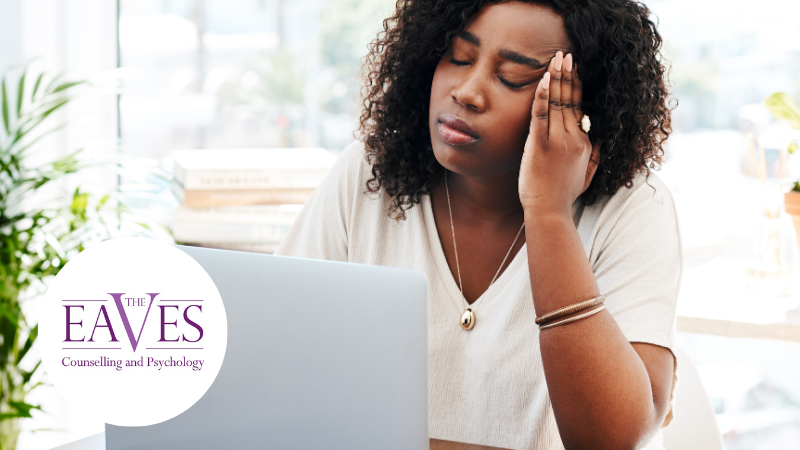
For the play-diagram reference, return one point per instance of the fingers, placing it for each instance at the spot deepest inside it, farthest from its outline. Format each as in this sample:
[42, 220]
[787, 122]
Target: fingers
[556, 73]
[541, 110]
[577, 94]
[567, 106]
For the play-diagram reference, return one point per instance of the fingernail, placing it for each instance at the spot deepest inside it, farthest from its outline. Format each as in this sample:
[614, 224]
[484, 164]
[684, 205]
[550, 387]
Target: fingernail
[568, 63]
[559, 59]
[546, 80]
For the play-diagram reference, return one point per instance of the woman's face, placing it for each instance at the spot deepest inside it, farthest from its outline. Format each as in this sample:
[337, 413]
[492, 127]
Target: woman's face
[487, 79]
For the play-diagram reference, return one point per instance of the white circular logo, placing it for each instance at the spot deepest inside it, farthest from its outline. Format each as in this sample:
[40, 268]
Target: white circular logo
[134, 330]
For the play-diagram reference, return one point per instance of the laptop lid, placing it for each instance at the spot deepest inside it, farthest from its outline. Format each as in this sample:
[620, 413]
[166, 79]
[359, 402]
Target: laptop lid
[321, 355]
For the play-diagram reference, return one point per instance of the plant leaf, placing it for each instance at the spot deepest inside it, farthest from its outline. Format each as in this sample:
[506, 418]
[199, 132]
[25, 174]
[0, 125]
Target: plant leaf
[4, 99]
[36, 85]
[39, 430]
[793, 147]
[103, 200]
[28, 344]
[783, 107]
[20, 92]
[29, 124]
[53, 82]
[65, 86]
[11, 315]
[26, 376]
[41, 136]
[23, 409]
[79, 202]
[49, 111]
[53, 241]
[35, 118]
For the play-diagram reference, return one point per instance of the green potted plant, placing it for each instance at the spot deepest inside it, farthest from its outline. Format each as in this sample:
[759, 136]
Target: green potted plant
[784, 108]
[38, 235]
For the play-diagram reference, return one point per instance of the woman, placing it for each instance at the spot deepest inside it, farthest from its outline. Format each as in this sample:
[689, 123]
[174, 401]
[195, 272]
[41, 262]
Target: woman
[473, 166]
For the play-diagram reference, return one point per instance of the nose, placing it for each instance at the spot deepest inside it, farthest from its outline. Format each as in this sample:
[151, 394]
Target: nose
[469, 91]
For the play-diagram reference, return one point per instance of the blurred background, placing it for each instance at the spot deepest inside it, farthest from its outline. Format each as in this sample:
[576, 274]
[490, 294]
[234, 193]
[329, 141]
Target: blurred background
[173, 75]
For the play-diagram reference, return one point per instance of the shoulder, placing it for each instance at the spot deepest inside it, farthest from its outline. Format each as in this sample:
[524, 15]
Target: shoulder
[353, 161]
[347, 177]
[648, 199]
[646, 189]
[641, 218]
[329, 217]
[350, 175]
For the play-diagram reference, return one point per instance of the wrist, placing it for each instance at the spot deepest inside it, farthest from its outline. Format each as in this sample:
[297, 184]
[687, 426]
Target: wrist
[548, 214]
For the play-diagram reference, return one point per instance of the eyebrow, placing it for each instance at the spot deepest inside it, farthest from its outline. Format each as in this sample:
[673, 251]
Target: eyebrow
[506, 54]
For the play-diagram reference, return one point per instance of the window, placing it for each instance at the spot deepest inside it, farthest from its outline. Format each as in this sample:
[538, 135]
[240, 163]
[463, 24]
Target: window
[245, 74]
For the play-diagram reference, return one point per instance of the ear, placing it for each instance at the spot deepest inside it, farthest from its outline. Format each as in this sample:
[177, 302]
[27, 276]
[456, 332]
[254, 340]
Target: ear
[594, 160]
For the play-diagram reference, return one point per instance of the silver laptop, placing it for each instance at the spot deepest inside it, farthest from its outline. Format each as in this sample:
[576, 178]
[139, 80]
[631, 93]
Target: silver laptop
[321, 355]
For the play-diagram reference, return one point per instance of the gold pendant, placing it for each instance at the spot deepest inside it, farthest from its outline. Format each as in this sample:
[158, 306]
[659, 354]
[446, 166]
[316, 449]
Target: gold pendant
[468, 319]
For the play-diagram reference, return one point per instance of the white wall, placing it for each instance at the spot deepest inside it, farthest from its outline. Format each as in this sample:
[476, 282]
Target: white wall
[10, 50]
[77, 37]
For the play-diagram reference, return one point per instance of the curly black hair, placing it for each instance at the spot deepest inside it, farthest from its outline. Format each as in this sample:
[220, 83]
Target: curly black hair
[623, 73]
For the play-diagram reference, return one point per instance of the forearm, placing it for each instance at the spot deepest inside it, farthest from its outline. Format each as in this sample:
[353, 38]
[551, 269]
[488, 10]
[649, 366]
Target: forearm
[599, 387]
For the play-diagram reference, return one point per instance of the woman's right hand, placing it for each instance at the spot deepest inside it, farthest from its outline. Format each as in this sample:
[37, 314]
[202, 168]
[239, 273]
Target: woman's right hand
[559, 161]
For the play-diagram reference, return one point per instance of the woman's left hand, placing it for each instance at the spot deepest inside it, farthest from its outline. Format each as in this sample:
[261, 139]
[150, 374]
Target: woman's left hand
[559, 162]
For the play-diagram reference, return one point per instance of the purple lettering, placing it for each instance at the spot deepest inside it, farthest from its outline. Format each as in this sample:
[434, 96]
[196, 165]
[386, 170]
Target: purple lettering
[118, 301]
[73, 323]
[192, 323]
[164, 339]
[107, 325]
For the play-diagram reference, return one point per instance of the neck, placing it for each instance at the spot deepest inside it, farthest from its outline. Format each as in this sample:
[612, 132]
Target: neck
[492, 198]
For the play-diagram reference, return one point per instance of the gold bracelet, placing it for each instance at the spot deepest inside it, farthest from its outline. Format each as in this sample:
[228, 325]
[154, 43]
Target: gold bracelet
[567, 310]
[572, 319]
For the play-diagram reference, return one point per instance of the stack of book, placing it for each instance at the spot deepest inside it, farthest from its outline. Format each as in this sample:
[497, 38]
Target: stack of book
[243, 199]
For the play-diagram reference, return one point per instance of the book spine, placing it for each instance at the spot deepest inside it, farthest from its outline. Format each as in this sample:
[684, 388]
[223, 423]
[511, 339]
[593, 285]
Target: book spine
[215, 198]
[188, 215]
[286, 178]
[229, 233]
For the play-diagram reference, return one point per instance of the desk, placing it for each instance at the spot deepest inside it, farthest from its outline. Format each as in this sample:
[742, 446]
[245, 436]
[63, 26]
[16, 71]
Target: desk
[436, 444]
[98, 442]
[713, 299]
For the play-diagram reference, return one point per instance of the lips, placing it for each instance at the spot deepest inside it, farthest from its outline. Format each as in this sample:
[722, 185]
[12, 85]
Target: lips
[457, 124]
[455, 131]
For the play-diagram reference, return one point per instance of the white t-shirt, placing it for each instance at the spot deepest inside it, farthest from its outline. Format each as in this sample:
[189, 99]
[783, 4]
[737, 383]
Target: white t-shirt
[487, 385]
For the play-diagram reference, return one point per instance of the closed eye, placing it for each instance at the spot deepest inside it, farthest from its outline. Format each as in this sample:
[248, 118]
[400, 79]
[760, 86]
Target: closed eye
[507, 83]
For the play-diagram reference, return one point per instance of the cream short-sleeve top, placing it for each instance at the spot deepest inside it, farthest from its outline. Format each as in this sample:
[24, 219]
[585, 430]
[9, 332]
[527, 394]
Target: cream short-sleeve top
[487, 386]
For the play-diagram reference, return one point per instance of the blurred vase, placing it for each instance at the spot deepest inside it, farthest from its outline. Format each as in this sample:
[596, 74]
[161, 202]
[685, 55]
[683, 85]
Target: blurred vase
[771, 246]
[791, 201]
[9, 432]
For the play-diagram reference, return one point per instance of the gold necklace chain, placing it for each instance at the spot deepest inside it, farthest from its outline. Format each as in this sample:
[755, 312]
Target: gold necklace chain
[468, 316]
